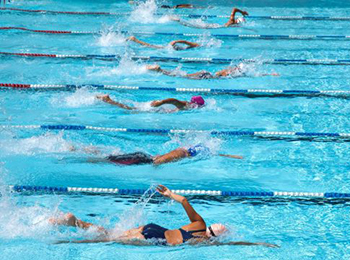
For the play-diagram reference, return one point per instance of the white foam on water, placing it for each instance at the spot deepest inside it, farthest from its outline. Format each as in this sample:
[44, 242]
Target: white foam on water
[191, 139]
[126, 67]
[80, 98]
[145, 13]
[109, 38]
[134, 216]
[47, 143]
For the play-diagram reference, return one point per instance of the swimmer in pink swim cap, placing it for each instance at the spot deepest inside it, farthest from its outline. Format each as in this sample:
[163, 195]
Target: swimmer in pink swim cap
[194, 233]
[196, 102]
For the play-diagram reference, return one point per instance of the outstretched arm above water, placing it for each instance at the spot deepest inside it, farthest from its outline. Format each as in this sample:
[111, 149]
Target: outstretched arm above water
[171, 101]
[134, 39]
[196, 220]
[107, 99]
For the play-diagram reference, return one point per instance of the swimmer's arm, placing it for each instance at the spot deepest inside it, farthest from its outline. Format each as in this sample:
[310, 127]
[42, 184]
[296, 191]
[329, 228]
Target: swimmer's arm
[232, 20]
[190, 44]
[243, 243]
[191, 213]
[231, 156]
[134, 39]
[172, 101]
[107, 99]
[157, 68]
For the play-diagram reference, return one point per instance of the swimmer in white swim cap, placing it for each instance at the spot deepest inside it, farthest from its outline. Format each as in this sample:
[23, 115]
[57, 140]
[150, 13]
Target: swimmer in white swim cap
[233, 21]
[193, 233]
[229, 72]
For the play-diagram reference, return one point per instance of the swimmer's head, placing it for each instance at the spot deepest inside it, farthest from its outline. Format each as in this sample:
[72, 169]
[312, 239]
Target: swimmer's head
[165, 6]
[198, 100]
[240, 20]
[216, 230]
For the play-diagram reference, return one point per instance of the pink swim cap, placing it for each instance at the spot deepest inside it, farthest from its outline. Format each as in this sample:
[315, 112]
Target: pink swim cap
[215, 230]
[197, 100]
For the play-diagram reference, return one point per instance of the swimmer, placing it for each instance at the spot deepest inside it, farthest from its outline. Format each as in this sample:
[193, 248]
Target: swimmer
[196, 102]
[194, 233]
[232, 71]
[178, 45]
[232, 21]
[139, 158]
[180, 6]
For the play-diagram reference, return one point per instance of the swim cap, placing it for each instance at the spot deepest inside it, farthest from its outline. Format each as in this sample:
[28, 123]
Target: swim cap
[197, 100]
[240, 20]
[215, 230]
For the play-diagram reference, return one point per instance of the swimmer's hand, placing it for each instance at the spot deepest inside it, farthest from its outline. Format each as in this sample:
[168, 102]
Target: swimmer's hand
[245, 13]
[131, 38]
[164, 191]
[275, 74]
[231, 156]
[156, 103]
[155, 67]
[104, 98]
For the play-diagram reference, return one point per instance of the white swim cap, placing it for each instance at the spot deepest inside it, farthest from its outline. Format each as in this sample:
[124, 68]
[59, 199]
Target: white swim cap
[240, 20]
[216, 229]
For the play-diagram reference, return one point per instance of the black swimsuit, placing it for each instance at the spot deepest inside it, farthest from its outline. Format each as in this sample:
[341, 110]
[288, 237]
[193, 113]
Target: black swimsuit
[154, 231]
[131, 158]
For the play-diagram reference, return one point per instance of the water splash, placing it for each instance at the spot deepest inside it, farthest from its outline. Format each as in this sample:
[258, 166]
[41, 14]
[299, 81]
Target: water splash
[188, 140]
[146, 13]
[81, 97]
[126, 67]
[134, 216]
[47, 143]
[110, 38]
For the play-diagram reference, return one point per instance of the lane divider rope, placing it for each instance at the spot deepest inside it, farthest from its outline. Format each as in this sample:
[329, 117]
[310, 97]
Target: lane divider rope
[241, 92]
[265, 17]
[187, 59]
[179, 131]
[46, 189]
[232, 36]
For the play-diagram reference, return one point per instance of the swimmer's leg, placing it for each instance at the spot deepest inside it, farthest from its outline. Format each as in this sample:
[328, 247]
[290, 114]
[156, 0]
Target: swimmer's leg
[134, 39]
[107, 99]
[72, 221]
[135, 233]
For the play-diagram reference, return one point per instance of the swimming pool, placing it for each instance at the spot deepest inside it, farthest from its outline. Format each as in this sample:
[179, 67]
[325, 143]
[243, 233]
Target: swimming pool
[303, 227]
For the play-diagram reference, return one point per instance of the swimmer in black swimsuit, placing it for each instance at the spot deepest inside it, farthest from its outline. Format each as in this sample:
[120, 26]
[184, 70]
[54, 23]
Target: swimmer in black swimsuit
[232, 71]
[232, 21]
[180, 6]
[196, 232]
[139, 158]
[178, 45]
[195, 102]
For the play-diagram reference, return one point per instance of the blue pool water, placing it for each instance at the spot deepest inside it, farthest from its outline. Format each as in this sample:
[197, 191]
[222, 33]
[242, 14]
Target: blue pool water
[304, 228]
